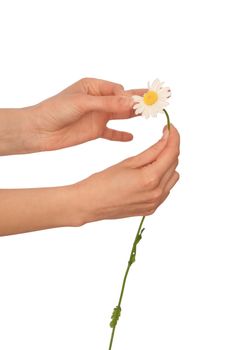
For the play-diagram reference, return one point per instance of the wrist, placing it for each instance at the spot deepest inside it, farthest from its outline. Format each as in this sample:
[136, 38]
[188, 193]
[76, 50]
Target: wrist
[66, 207]
[31, 134]
[18, 131]
[75, 211]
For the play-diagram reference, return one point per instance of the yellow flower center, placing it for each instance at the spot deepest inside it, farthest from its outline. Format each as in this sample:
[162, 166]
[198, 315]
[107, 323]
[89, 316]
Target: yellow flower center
[150, 97]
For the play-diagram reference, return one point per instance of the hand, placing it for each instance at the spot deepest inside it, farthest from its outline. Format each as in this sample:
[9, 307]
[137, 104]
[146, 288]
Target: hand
[135, 186]
[80, 113]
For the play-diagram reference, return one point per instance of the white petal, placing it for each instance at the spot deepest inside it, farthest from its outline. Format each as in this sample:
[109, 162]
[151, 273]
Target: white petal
[152, 111]
[161, 84]
[139, 110]
[160, 107]
[163, 99]
[165, 92]
[146, 113]
[137, 98]
[155, 84]
[158, 86]
[137, 105]
[136, 112]
[164, 103]
[158, 110]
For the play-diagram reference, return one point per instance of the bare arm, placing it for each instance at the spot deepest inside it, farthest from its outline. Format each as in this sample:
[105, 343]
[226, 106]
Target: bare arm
[133, 187]
[78, 114]
[16, 134]
[24, 210]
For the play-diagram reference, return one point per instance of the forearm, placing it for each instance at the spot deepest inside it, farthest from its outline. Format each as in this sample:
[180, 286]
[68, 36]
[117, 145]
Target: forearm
[16, 131]
[24, 210]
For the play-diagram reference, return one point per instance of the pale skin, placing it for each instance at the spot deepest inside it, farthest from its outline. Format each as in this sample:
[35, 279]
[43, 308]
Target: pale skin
[134, 187]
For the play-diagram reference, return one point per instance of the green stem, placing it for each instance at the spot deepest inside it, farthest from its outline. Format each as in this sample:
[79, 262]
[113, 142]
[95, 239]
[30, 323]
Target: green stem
[168, 119]
[130, 262]
[112, 337]
[138, 236]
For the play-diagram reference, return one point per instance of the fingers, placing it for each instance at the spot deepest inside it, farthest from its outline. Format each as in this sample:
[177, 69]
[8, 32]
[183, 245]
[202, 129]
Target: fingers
[129, 93]
[168, 175]
[100, 87]
[170, 153]
[116, 135]
[109, 104]
[139, 92]
[164, 193]
[95, 87]
[171, 183]
[151, 154]
[167, 157]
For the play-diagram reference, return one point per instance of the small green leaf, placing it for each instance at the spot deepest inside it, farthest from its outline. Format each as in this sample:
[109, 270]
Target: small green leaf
[138, 239]
[115, 316]
[132, 259]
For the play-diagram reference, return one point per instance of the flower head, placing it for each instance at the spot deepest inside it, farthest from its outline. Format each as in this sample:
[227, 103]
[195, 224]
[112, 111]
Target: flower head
[153, 101]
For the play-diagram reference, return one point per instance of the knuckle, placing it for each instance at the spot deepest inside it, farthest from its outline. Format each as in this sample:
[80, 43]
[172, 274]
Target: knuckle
[157, 173]
[148, 179]
[166, 194]
[176, 153]
[130, 162]
[150, 210]
[175, 164]
[150, 198]
[120, 86]
[155, 196]
[158, 193]
[121, 101]
[107, 103]
[85, 79]
[159, 146]
[80, 102]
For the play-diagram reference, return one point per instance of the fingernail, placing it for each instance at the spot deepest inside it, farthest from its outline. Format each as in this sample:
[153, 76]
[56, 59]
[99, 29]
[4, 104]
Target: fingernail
[165, 134]
[127, 101]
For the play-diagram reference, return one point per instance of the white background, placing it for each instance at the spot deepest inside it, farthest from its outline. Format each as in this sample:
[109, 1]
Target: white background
[58, 287]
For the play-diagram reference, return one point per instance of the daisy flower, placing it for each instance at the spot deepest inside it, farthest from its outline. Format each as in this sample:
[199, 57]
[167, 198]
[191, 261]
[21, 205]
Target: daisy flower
[153, 101]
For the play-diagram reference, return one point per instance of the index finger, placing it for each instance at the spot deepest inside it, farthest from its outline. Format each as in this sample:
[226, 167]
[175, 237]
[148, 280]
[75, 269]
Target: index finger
[129, 93]
[169, 154]
[94, 87]
[100, 87]
[139, 92]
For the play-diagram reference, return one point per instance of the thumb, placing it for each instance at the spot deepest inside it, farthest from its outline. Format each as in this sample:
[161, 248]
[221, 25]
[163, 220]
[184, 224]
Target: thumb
[151, 154]
[111, 104]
